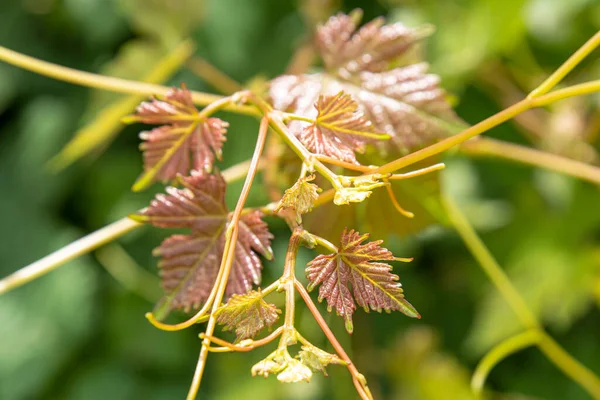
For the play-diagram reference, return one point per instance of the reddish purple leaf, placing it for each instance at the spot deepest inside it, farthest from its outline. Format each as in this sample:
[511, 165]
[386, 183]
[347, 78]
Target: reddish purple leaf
[190, 263]
[357, 266]
[339, 130]
[182, 143]
[404, 102]
[347, 51]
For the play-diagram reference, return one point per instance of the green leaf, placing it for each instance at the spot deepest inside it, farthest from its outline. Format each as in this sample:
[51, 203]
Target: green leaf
[300, 197]
[248, 314]
[317, 359]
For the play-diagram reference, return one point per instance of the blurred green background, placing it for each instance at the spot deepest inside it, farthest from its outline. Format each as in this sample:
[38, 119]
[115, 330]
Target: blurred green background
[80, 333]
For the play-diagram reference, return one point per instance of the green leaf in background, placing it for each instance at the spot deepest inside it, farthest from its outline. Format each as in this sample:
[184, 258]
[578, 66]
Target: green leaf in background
[39, 335]
[487, 28]
[166, 21]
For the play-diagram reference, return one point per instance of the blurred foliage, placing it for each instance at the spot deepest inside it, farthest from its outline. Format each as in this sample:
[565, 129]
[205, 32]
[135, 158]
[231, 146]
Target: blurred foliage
[79, 334]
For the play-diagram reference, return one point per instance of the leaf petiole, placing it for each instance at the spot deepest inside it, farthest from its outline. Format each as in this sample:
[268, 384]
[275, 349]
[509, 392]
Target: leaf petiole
[248, 345]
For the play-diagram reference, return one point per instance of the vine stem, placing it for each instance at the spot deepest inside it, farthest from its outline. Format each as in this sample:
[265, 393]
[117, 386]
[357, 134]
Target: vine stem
[567, 66]
[214, 76]
[538, 97]
[529, 156]
[228, 347]
[93, 241]
[67, 253]
[504, 349]
[357, 378]
[561, 359]
[289, 334]
[489, 123]
[112, 84]
[228, 256]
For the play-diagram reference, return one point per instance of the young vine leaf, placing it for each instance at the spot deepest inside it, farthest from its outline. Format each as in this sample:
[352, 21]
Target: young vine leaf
[287, 368]
[403, 101]
[339, 130]
[356, 265]
[300, 197]
[248, 314]
[190, 263]
[317, 359]
[183, 142]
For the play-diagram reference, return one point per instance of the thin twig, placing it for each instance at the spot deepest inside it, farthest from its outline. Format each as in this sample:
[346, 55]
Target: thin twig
[93, 241]
[567, 66]
[228, 256]
[489, 123]
[537, 158]
[242, 348]
[112, 84]
[213, 76]
[357, 378]
[68, 253]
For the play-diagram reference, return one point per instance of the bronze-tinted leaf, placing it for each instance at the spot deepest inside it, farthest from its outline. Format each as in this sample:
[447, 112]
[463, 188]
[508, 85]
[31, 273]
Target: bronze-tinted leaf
[247, 314]
[357, 266]
[405, 102]
[346, 50]
[190, 263]
[339, 130]
[183, 142]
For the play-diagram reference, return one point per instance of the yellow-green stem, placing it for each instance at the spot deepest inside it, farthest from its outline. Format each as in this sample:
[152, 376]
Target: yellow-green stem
[228, 256]
[561, 359]
[213, 76]
[569, 365]
[537, 158]
[567, 66]
[93, 241]
[489, 123]
[360, 383]
[111, 84]
[67, 253]
[499, 353]
[287, 280]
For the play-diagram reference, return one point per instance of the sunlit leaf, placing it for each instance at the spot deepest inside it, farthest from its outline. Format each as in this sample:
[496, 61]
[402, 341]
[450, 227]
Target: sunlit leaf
[301, 196]
[339, 130]
[183, 142]
[190, 263]
[404, 102]
[247, 314]
[357, 265]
